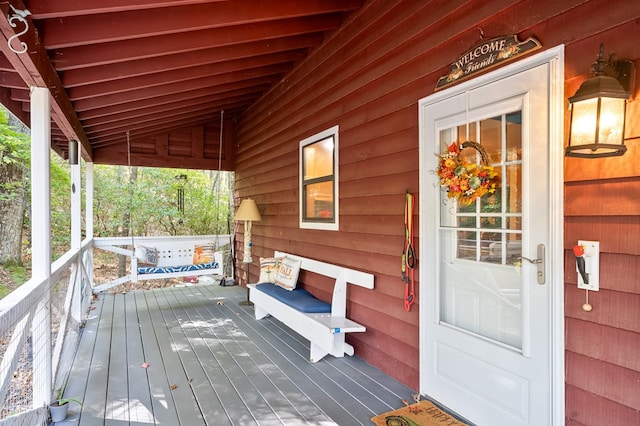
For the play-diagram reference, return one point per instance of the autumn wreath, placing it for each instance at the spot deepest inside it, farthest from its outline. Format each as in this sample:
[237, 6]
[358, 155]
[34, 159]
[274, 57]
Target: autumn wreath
[462, 180]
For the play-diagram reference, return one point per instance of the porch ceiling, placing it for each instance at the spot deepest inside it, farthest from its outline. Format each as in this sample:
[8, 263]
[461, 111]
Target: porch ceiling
[161, 70]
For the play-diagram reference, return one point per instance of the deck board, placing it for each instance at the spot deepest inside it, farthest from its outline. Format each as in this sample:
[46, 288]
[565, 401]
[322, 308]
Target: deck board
[117, 404]
[280, 393]
[290, 352]
[79, 375]
[95, 395]
[172, 352]
[198, 371]
[228, 368]
[163, 408]
[140, 403]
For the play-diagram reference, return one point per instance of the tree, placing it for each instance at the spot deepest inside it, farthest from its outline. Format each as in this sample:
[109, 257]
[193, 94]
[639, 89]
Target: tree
[14, 158]
[147, 203]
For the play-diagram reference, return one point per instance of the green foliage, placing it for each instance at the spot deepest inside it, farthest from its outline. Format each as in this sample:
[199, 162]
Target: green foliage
[18, 272]
[60, 206]
[151, 199]
[14, 151]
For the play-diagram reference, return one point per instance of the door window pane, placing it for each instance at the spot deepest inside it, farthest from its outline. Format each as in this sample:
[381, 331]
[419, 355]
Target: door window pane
[481, 242]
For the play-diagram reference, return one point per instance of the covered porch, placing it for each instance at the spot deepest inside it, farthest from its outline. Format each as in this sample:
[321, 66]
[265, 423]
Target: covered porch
[239, 86]
[193, 355]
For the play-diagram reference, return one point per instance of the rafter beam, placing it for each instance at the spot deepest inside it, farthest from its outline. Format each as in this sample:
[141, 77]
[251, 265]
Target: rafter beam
[82, 30]
[149, 87]
[172, 100]
[147, 113]
[42, 9]
[35, 69]
[195, 88]
[171, 44]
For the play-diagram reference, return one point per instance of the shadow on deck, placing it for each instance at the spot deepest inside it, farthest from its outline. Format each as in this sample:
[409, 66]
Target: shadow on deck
[211, 363]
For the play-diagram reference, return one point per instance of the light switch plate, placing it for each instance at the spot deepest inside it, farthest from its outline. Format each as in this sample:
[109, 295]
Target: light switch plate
[592, 265]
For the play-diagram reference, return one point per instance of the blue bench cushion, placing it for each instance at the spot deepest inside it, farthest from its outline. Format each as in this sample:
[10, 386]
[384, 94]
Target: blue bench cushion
[299, 299]
[182, 268]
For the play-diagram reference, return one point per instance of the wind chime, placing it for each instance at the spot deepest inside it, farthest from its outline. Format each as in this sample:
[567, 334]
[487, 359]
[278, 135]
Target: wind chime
[182, 180]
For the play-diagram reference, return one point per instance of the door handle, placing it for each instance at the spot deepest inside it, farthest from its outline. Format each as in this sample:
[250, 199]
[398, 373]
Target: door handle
[539, 262]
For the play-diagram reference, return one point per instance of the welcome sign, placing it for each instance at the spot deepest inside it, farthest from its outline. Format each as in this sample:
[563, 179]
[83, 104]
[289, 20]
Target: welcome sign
[486, 55]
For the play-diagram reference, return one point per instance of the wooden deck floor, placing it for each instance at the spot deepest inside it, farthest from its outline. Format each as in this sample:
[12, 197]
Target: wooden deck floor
[211, 363]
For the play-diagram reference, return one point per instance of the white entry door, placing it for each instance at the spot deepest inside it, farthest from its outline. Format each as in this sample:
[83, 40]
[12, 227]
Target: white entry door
[491, 306]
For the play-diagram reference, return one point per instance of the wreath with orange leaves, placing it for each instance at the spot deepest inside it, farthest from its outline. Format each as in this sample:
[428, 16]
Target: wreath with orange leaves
[464, 181]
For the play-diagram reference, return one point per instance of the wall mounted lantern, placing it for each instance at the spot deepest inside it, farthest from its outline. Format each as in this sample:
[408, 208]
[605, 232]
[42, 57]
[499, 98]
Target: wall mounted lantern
[598, 110]
[248, 212]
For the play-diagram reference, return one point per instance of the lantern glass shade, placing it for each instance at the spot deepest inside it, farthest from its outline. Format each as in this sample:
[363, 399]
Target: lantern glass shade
[598, 112]
[590, 136]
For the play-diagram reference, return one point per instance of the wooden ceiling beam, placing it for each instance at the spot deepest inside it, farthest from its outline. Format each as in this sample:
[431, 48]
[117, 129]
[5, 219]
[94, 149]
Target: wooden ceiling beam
[12, 80]
[142, 67]
[91, 29]
[16, 107]
[148, 118]
[5, 65]
[172, 100]
[171, 44]
[145, 113]
[162, 76]
[34, 68]
[106, 156]
[173, 85]
[196, 89]
[42, 9]
[160, 127]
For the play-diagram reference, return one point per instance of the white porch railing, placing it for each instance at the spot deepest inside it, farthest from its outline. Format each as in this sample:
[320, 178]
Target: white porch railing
[40, 326]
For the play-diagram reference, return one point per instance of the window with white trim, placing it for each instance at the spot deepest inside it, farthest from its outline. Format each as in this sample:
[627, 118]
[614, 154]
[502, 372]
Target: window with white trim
[319, 181]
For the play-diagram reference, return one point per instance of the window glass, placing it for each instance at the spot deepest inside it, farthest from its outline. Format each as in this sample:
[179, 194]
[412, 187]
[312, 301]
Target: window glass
[319, 183]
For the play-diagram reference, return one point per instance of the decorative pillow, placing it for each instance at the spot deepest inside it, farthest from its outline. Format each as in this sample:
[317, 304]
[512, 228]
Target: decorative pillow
[269, 269]
[288, 272]
[147, 255]
[203, 253]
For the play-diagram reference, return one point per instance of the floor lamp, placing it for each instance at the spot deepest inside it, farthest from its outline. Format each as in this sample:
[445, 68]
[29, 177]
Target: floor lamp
[248, 212]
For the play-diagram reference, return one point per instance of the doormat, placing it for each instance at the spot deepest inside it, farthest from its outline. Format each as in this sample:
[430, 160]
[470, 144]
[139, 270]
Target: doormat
[423, 413]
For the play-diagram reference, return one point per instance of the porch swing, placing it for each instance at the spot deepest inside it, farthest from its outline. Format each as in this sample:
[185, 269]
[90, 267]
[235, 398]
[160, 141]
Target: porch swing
[153, 257]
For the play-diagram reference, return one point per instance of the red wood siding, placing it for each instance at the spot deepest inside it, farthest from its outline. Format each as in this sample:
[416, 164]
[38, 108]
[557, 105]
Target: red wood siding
[368, 78]
[193, 147]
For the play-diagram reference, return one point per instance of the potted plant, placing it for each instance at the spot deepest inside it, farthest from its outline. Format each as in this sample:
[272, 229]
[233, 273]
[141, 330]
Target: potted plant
[58, 408]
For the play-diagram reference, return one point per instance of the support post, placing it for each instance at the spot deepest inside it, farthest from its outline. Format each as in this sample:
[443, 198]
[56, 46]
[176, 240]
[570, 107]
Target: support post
[76, 232]
[76, 203]
[89, 199]
[41, 240]
[89, 221]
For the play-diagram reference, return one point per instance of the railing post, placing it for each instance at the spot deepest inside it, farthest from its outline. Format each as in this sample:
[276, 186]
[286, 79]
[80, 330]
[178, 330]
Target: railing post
[75, 284]
[76, 204]
[41, 241]
[89, 219]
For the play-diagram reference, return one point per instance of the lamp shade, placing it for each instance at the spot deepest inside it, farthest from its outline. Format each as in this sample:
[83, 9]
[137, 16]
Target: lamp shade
[248, 210]
[598, 111]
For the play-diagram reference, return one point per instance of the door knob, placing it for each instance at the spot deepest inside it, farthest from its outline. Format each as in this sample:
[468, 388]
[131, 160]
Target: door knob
[539, 262]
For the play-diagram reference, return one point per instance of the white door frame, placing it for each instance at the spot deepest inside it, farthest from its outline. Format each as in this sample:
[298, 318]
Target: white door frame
[555, 58]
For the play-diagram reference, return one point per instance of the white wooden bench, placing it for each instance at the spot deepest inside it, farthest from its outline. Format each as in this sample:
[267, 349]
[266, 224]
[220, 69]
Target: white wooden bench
[174, 257]
[325, 331]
